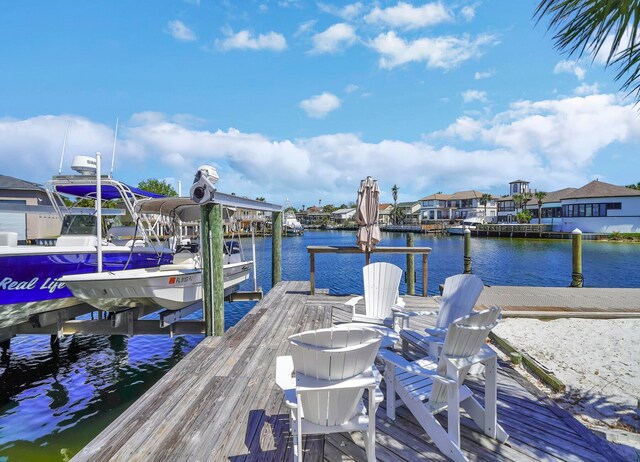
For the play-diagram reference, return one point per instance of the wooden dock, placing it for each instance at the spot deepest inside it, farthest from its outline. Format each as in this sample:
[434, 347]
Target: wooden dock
[220, 403]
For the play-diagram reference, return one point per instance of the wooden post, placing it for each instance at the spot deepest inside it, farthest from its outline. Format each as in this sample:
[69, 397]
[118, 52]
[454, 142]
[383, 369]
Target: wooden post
[425, 274]
[576, 249]
[212, 276]
[411, 270]
[467, 251]
[276, 248]
[312, 273]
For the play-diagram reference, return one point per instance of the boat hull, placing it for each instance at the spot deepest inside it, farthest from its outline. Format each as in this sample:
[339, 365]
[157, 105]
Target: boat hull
[459, 230]
[172, 289]
[29, 283]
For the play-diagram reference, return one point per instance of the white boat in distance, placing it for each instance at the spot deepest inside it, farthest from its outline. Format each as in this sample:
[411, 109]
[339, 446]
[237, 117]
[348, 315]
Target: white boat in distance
[172, 286]
[468, 223]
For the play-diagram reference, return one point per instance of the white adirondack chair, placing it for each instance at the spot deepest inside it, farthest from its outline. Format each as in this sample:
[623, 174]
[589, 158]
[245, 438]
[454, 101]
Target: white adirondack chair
[460, 294]
[381, 290]
[324, 380]
[428, 388]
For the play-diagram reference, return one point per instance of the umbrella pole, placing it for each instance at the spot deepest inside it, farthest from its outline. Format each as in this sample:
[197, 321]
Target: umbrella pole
[367, 257]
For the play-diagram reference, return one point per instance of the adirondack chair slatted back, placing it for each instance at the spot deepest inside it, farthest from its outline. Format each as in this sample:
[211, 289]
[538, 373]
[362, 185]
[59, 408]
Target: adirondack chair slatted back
[381, 288]
[464, 339]
[460, 294]
[333, 354]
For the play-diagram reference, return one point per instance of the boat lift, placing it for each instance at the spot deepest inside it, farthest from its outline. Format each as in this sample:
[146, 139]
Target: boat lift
[63, 321]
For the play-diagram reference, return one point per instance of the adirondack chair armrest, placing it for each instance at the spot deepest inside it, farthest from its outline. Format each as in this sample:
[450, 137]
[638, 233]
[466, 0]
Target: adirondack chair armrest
[401, 363]
[436, 331]
[352, 302]
[483, 355]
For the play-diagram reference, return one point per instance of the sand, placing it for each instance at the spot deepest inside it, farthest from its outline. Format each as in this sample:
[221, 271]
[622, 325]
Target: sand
[598, 360]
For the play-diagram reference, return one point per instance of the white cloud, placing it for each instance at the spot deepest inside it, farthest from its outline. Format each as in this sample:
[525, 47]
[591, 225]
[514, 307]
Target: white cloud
[335, 38]
[347, 12]
[351, 88]
[468, 13]
[244, 40]
[407, 16]
[474, 95]
[586, 89]
[483, 75]
[570, 67]
[305, 27]
[445, 52]
[319, 106]
[554, 141]
[180, 31]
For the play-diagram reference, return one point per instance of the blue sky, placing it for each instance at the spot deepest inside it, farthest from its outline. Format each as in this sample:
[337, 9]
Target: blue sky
[300, 100]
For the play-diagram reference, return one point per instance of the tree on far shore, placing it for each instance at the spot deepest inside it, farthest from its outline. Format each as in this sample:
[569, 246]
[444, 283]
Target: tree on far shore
[634, 186]
[540, 195]
[484, 200]
[157, 186]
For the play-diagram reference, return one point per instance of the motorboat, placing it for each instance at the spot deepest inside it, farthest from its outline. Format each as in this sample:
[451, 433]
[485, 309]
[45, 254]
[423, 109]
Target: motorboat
[30, 274]
[468, 223]
[173, 286]
[292, 227]
[170, 286]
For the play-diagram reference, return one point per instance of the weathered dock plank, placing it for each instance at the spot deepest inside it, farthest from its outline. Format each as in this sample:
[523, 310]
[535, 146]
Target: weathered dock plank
[221, 403]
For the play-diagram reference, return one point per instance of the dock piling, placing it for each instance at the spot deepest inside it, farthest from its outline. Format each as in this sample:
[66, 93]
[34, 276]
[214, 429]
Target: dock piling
[276, 248]
[577, 279]
[213, 280]
[467, 251]
[411, 270]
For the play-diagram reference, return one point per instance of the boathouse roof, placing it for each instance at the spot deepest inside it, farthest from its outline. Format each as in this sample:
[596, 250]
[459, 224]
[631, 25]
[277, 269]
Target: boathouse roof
[601, 189]
[518, 181]
[9, 182]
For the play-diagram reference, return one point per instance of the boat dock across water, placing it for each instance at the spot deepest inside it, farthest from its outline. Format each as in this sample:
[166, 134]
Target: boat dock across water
[221, 402]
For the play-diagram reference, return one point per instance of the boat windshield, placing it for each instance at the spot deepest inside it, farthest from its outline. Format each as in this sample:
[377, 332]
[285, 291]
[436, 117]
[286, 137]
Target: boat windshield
[78, 224]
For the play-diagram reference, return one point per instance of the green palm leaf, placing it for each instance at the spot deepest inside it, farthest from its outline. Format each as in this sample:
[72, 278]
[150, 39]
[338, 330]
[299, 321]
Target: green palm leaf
[588, 25]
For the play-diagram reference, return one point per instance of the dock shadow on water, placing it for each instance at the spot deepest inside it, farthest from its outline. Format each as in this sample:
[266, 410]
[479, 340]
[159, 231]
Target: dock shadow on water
[53, 402]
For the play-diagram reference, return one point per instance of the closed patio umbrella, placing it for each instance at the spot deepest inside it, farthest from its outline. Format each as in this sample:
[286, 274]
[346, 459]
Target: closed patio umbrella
[367, 215]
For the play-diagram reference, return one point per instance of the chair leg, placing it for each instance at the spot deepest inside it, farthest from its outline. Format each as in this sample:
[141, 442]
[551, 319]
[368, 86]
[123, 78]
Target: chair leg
[390, 378]
[433, 428]
[370, 434]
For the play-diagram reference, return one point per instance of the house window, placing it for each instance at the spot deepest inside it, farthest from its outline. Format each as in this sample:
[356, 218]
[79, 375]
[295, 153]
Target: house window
[590, 210]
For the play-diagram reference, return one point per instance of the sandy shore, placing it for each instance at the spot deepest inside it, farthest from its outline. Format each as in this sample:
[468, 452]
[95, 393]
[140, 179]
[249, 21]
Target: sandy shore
[598, 360]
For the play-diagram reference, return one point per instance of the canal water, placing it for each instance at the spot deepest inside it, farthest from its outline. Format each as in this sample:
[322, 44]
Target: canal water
[52, 403]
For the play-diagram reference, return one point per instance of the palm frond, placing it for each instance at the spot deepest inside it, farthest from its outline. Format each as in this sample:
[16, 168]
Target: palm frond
[594, 26]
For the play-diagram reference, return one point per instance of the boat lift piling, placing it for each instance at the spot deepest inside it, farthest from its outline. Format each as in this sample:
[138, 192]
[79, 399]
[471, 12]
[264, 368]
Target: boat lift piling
[211, 202]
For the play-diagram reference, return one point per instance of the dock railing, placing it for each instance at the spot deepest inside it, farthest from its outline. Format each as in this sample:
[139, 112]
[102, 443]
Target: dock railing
[315, 249]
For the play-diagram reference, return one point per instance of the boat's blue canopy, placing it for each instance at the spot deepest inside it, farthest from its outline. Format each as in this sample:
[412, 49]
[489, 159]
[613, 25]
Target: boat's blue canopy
[108, 192]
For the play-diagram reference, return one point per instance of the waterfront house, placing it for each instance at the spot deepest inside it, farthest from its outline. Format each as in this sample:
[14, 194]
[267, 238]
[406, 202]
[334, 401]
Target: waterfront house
[506, 206]
[14, 191]
[600, 207]
[465, 204]
[384, 214]
[410, 212]
[435, 207]
[551, 208]
[315, 216]
[341, 216]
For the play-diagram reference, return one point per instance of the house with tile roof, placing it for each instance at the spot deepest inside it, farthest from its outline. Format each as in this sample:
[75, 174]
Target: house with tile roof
[456, 206]
[384, 214]
[600, 207]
